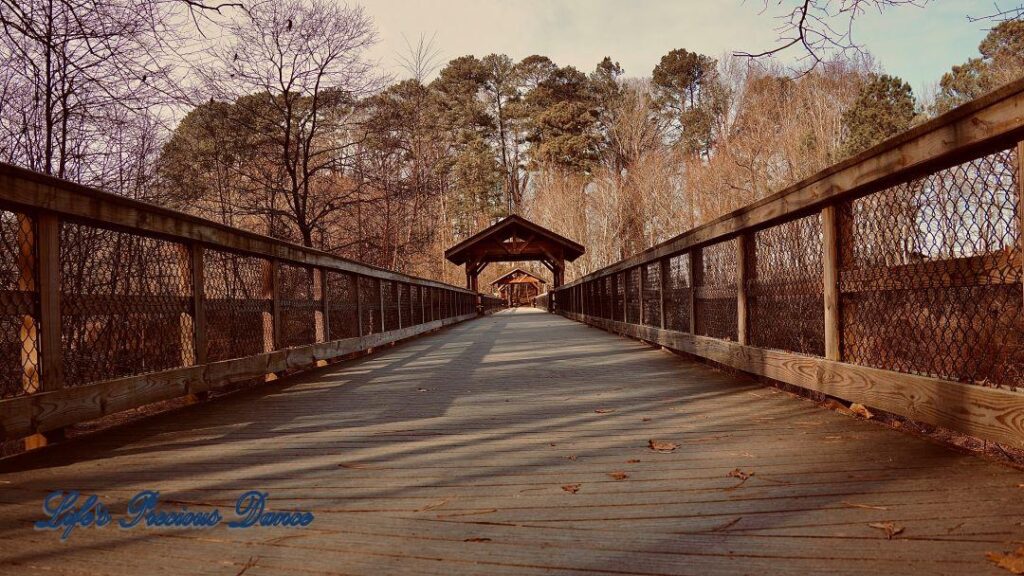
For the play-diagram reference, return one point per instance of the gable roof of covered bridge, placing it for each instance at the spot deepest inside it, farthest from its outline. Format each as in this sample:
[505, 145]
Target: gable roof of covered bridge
[512, 239]
[509, 278]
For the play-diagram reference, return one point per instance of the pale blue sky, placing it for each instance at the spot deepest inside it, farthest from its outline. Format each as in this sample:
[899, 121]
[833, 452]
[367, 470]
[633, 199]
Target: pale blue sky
[918, 44]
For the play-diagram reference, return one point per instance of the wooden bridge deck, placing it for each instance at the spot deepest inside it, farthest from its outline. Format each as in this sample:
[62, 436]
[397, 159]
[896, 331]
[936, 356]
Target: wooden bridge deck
[449, 455]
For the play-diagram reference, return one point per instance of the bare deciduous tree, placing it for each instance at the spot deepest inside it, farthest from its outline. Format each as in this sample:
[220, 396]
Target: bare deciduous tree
[821, 29]
[304, 63]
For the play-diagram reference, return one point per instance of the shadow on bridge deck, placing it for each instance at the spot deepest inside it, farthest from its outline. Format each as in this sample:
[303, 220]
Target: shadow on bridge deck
[458, 453]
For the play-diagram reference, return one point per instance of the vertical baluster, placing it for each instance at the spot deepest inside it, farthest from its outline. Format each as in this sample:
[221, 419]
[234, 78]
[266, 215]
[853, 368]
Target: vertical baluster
[742, 241]
[325, 309]
[50, 353]
[830, 279]
[199, 346]
[641, 284]
[695, 265]
[663, 268]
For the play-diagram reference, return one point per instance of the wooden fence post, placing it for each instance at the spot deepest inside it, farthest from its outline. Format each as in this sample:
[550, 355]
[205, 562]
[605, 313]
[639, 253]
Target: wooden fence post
[28, 282]
[663, 268]
[50, 353]
[741, 288]
[625, 294]
[1020, 198]
[272, 319]
[198, 304]
[380, 300]
[398, 300]
[695, 256]
[359, 303]
[642, 273]
[325, 308]
[830, 280]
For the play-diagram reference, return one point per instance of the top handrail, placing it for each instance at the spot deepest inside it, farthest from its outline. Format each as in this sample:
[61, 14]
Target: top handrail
[991, 122]
[25, 189]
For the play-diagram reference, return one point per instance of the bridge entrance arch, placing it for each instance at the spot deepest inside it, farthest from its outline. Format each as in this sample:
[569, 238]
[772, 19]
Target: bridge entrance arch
[514, 239]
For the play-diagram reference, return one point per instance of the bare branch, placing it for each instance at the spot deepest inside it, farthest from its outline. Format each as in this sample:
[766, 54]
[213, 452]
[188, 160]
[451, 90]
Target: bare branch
[821, 28]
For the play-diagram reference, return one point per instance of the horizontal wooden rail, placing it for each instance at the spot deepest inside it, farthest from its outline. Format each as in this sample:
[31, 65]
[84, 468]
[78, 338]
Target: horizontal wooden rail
[989, 123]
[22, 189]
[985, 270]
[46, 411]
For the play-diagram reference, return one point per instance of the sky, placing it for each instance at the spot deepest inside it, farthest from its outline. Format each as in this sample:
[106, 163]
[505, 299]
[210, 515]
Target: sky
[917, 44]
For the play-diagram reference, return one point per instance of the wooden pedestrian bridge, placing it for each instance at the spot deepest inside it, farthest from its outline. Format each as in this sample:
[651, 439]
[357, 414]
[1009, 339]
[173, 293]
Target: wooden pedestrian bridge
[430, 431]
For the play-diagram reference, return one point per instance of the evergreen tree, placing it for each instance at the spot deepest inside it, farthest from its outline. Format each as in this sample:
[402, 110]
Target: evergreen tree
[1001, 61]
[689, 96]
[884, 108]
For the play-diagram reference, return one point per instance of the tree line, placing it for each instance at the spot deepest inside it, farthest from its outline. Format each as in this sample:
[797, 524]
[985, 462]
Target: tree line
[272, 117]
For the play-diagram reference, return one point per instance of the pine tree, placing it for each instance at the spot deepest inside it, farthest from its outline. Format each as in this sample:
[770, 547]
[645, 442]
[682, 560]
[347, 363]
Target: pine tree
[884, 108]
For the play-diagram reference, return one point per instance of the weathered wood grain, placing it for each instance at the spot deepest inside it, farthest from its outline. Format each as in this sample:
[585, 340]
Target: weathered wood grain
[830, 281]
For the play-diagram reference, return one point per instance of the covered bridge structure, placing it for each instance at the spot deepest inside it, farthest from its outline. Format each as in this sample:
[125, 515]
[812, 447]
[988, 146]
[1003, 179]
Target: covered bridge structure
[518, 287]
[827, 381]
[514, 239]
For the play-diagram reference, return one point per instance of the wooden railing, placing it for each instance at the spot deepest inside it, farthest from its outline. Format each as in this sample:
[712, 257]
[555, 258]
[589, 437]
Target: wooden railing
[108, 304]
[892, 279]
[489, 303]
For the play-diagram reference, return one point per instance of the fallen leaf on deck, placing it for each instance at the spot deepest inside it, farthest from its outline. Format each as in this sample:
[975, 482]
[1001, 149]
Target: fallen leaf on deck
[864, 506]
[861, 410]
[619, 475]
[553, 444]
[633, 461]
[477, 540]
[1012, 562]
[737, 473]
[571, 488]
[890, 528]
[646, 420]
[662, 446]
[570, 457]
[836, 405]
[604, 410]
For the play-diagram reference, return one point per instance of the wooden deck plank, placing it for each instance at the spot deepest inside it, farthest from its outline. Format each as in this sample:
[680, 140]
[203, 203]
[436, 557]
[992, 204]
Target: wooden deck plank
[471, 434]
